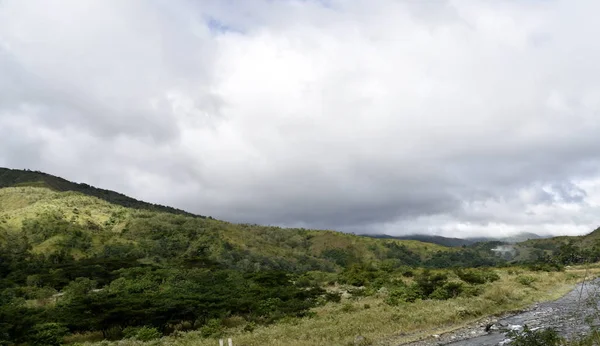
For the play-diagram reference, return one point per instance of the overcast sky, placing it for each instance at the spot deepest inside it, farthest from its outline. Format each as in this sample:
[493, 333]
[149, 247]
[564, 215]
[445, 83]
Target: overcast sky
[457, 118]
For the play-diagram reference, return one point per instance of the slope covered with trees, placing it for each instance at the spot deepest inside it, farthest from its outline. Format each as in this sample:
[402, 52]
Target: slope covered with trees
[74, 261]
[564, 250]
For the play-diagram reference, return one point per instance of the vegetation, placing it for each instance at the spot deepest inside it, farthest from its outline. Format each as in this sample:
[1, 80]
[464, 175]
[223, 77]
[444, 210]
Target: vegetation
[550, 337]
[16, 177]
[384, 324]
[560, 251]
[540, 337]
[80, 264]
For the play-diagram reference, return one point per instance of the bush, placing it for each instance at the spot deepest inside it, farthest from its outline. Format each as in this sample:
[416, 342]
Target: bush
[406, 294]
[141, 333]
[334, 297]
[428, 282]
[213, 328]
[476, 277]
[47, 334]
[471, 291]
[526, 280]
[250, 327]
[547, 267]
[407, 272]
[447, 291]
[348, 307]
[359, 275]
[130, 332]
[147, 334]
[358, 292]
[540, 337]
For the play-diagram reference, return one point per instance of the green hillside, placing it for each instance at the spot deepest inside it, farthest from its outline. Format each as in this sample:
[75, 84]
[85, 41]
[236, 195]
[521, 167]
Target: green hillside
[562, 250]
[67, 251]
[17, 177]
[71, 223]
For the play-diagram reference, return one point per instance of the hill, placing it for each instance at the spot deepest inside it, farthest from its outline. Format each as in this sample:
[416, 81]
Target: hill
[521, 237]
[98, 261]
[82, 226]
[20, 178]
[564, 250]
[82, 221]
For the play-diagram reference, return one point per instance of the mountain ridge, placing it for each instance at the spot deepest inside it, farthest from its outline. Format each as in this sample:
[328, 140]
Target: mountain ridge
[83, 222]
[458, 242]
[25, 177]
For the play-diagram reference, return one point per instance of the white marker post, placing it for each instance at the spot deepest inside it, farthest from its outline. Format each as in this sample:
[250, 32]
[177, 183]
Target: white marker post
[230, 342]
[221, 342]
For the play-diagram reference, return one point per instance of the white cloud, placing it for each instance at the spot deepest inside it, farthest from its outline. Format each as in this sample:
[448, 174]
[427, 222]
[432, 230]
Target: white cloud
[453, 117]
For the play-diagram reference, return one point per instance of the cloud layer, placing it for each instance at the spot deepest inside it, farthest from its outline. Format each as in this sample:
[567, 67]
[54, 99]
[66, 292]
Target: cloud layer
[449, 117]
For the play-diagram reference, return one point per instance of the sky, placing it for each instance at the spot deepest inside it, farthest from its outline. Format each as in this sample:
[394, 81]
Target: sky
[456, 118]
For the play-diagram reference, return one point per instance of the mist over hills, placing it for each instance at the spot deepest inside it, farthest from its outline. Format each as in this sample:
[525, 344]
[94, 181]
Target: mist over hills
[456, 242]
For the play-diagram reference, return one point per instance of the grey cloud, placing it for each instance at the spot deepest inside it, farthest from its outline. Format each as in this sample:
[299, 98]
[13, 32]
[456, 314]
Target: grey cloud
[444, 117]
[569, 192]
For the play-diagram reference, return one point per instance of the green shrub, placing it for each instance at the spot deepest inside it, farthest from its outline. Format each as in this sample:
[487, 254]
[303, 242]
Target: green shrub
[334, 297]
[427, 282]
[447, 291]
[130, 332]
[359, 275]
[212, 328]
[547, 267]
[471, 291]
[358, 292]
[47, 334]
[407, 272]
[141, 333]
[348, 307]
[526, 280]
[540, 337]
[250, 327]
[476, 277]
[147, 334]
[490, 275]
[404, 294]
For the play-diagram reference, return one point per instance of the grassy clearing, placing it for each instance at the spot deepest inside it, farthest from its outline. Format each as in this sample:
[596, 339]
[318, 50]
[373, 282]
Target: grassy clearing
[381, 324]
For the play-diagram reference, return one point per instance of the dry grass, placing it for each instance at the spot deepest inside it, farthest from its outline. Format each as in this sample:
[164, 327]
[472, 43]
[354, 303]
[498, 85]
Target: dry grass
[339, 324]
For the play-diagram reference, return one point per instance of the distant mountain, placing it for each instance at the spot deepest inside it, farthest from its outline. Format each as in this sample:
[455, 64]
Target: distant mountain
[457, 242]
[434, 239]
[521, 237]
